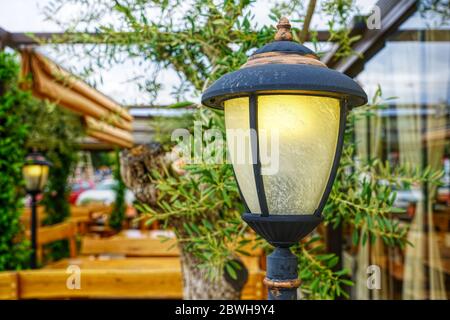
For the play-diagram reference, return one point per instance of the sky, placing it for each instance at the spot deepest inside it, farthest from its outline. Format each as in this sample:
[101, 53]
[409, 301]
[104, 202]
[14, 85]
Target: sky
[26, 16]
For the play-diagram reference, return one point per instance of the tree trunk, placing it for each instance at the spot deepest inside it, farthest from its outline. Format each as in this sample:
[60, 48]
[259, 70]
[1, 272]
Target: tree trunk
[197, 286]
[136, 164]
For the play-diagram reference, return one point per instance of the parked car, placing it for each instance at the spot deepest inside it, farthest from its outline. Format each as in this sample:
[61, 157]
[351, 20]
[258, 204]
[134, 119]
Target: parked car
[104, 193]
[78, 188]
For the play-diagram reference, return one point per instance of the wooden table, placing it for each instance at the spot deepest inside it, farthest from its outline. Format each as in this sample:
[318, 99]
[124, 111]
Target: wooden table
[137, 244]
[89, 263]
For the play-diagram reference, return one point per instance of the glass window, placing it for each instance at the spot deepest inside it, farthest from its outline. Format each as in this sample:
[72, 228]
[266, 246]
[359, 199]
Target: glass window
[414, 70]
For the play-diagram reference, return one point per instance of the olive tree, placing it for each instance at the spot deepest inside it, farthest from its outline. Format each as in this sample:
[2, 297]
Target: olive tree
[202, 40]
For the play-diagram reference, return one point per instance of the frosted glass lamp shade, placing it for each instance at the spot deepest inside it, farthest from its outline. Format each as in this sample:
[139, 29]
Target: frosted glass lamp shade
[35, 173]
[297, 141]
[237, 121]
[285, 118]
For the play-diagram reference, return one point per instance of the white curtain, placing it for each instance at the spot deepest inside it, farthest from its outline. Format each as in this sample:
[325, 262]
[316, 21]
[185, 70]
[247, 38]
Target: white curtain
[410, 146]
[369, 254]
[435, 154]
[437, 129]
[362, 257]
[424, 254]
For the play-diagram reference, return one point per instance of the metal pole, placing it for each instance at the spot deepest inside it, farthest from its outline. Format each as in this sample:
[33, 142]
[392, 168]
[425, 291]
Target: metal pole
[282, 276]
[33, 231]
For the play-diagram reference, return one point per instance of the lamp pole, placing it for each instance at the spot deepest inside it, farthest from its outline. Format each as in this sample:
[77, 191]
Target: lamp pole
[33, 262]
[282, 275]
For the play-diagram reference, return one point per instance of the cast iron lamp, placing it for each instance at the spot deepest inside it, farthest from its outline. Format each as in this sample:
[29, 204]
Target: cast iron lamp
[285, 89]
[35, 173]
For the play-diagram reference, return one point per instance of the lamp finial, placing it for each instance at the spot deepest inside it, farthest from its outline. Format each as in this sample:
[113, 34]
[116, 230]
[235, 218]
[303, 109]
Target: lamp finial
[284, 30]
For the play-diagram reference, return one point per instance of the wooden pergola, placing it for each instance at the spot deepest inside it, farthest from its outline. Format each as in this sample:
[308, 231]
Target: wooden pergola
[104, 119]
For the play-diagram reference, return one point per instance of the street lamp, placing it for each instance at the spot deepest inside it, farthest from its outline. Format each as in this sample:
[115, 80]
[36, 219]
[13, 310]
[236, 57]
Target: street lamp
[35, 173]
[285, 91]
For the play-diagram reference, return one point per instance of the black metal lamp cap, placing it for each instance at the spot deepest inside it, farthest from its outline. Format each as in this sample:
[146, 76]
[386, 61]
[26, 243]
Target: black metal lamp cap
[284, 46]
[37, 158]
[284, 66]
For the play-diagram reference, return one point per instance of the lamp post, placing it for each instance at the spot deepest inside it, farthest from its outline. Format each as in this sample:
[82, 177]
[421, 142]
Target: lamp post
[35, 173]
[285, 91]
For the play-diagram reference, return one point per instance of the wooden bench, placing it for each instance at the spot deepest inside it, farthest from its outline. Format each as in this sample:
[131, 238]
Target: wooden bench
[8, 286]
[138, 278]
[101, 283]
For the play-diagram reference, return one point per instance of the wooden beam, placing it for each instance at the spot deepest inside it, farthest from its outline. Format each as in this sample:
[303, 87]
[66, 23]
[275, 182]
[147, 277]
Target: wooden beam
[4, 38]
[393, 13]
[431, 35]
[304, 33]
[16, 39]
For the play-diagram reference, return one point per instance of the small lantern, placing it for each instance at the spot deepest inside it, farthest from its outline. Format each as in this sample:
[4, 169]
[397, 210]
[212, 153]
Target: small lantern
[285, 91]
[35, 172]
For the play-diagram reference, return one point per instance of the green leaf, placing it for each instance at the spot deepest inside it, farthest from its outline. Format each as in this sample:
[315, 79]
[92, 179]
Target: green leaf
[347, 282]
[231, 271]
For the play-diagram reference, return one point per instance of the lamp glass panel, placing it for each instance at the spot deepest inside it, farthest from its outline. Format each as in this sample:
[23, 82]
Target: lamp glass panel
[35, 176]
[298, 135]
[237, 122]
[44, 177]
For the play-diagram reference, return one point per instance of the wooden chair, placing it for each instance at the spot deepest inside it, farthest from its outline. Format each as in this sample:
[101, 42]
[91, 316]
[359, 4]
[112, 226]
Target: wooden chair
[60, 231]
[81, 216]
[87, 216]
[25, 218]
[100, 214]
